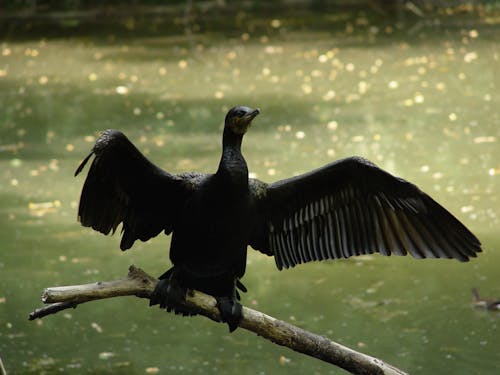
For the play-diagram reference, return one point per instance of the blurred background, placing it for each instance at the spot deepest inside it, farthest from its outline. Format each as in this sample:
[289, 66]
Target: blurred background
[410, 85]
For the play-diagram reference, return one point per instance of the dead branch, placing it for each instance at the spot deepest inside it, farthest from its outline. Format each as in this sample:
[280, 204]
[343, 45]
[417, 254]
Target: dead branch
[141, 284]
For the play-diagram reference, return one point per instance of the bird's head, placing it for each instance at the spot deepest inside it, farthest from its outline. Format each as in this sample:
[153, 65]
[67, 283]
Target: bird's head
[239, 119]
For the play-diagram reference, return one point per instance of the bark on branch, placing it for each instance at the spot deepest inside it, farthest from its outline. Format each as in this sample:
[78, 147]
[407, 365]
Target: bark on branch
[140, 284]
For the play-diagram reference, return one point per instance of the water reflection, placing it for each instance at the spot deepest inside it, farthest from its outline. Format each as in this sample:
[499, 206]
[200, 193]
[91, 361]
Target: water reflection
[421, 105]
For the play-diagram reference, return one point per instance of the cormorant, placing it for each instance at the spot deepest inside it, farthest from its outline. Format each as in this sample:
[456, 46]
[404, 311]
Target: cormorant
[346, 208]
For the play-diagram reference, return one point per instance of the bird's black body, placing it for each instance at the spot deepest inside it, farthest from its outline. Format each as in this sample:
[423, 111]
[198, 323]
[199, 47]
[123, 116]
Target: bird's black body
[346, 208]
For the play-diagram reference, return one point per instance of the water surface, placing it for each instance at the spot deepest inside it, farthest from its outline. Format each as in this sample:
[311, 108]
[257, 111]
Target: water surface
[422, 103]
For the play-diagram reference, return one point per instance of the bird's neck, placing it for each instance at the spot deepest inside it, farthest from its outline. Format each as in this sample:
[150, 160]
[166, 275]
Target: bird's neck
[233, 167]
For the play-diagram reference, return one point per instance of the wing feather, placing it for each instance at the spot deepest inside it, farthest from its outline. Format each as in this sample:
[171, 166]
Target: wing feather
[352, 207]
[122, 186]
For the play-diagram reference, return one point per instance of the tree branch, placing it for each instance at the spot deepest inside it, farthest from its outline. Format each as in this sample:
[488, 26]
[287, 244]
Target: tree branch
[140, 284]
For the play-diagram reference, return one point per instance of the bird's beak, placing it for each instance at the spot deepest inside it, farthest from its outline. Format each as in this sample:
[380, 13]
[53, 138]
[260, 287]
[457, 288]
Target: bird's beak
[247, 119]
[240, 125]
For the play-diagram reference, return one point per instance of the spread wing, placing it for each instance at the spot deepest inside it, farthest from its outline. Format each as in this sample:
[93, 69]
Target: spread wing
[122, 186]
[352, 207]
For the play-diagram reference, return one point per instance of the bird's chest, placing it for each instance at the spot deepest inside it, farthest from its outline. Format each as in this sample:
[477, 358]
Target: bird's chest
[223, 220]
[215, 223]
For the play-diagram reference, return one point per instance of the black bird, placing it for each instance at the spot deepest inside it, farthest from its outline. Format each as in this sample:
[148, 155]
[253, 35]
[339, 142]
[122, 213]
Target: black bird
[346, 208]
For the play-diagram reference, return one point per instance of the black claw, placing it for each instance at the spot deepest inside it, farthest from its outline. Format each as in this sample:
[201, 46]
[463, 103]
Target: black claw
[170, 295]
[231, 311]
[240, 286]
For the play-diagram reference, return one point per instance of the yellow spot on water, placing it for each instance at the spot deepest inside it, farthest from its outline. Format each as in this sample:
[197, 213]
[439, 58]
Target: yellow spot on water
[16, 163]
[316, 73]
[92, 77]
[358, 138]
[485, 139]
[105, 355]
[473, 33]
[275, 23]
[470, 56]
[54, 166]
[323, 58]
[329, 95]
[183, 64]
[159, 142]
[362, 87]
[306, 89]
[97, 327]
[42, 208]
[121, 90]
[284, 360]
[419, 98]
[70, 147]
[440, 86]
[43, 80]
[466, 209]
[284, 128]
[393, 85]
[332, 125]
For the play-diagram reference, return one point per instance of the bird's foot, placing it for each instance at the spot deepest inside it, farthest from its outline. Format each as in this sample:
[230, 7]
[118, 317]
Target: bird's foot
[170, 295]
[231, 311]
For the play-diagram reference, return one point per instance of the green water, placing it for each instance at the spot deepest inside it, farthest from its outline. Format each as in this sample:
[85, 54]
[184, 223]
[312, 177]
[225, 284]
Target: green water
[422, 103]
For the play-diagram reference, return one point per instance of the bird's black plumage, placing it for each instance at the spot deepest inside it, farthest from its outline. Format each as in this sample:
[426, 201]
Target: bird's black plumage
[346, 208]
